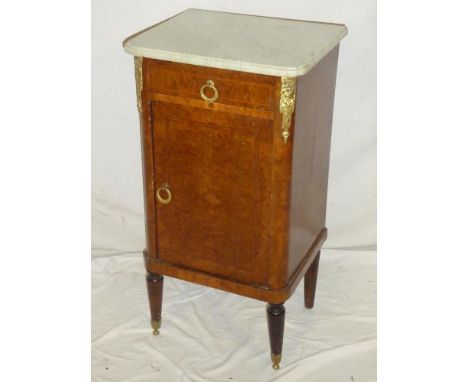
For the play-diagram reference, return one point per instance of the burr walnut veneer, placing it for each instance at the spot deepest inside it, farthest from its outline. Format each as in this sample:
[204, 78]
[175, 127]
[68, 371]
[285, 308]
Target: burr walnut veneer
[235, 170]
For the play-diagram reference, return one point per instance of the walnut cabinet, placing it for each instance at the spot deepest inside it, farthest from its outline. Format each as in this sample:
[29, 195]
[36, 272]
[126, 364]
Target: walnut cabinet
[236, 133]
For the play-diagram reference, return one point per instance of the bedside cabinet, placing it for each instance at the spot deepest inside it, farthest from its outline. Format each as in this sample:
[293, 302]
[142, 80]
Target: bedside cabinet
[236, 114]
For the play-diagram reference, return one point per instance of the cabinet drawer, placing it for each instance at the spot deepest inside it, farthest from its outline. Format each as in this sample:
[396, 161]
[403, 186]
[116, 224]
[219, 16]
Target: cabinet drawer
[233, 88]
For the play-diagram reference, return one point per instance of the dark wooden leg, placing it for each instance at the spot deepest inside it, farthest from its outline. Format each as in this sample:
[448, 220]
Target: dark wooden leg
[310, 283]
[154, 284]
[275, 317]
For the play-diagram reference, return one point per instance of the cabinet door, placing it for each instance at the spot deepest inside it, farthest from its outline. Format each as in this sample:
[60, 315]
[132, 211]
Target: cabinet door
[217, 166]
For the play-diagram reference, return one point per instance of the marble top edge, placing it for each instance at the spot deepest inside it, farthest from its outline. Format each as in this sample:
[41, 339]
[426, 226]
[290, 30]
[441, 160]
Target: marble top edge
[249, 15]
[155, 42]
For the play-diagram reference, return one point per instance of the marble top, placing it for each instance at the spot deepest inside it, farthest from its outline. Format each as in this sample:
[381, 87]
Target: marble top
[246, 43]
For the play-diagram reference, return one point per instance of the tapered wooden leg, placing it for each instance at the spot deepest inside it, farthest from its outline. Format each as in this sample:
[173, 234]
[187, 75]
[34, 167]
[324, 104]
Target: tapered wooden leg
[154, 284]
[275, 317]
[310, 283]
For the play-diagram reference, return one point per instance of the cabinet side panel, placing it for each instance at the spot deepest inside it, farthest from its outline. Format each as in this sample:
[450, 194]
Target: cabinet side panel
[311, 156]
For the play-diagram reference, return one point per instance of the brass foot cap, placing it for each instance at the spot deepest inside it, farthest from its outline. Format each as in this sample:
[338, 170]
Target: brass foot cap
[156, 325]
[276, 359]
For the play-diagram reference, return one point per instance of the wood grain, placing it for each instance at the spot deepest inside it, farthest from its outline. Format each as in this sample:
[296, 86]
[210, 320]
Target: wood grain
[276, 314]
[154, 286]
[310, 283]
[311, 156]
[242, 89]
[218, 167]
[248, 211]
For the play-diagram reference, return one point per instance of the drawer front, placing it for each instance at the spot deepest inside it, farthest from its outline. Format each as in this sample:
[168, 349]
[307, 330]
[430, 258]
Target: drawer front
[220, 86]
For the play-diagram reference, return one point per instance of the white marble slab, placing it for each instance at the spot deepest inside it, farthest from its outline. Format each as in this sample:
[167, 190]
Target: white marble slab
[253, 44]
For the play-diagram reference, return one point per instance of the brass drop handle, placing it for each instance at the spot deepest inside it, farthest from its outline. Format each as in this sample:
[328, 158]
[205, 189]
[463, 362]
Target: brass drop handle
[209, 84]
[164, 189]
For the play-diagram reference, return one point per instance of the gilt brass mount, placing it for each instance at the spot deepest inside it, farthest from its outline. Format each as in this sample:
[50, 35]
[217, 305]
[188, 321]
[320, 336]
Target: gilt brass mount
[287, 103]
[138, 80]
[276, 359]
[209, 85]
[163, 194]
[156, 325]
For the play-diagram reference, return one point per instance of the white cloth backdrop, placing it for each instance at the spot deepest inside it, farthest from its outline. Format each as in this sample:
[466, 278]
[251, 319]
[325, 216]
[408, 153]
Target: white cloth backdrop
[208, 335]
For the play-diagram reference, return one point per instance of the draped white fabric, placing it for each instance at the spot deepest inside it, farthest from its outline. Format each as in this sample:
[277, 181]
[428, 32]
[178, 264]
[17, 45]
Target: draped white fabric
[209, 335]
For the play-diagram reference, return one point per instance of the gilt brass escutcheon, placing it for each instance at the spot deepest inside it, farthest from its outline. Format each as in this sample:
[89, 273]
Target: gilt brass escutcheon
[165, 189]
[209, 85]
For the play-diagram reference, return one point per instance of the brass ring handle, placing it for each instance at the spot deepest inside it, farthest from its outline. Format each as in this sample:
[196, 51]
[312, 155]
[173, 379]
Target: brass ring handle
[164, 200]
[209, 84]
